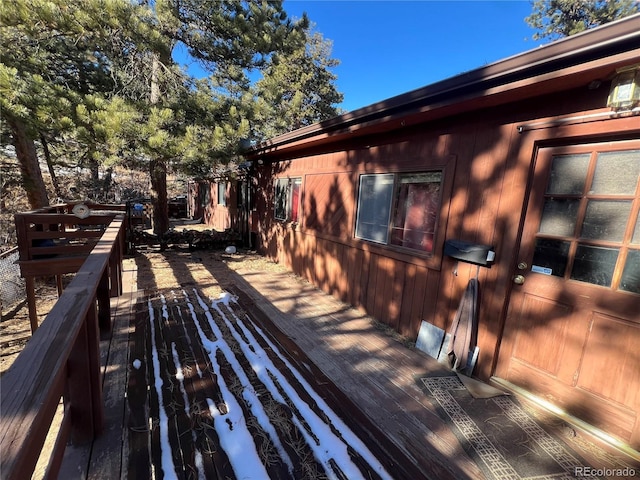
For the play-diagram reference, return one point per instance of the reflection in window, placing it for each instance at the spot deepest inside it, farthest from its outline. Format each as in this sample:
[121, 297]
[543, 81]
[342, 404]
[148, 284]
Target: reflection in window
[568, 174]
[399, 209]
[280, 209]
[295, 199]
[374, 206]
[630, 281]
[552, 255]
[589, 219]
[222, 194]
[594, 265]
[414, 220]
[287, 199]
[606, 220]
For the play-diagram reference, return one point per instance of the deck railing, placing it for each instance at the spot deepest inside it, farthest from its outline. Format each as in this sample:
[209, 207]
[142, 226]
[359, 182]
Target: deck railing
[62, 359]
[55, 241]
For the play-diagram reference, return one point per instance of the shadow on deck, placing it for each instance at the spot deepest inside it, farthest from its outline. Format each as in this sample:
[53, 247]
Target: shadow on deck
[223, 363]
[237, 344]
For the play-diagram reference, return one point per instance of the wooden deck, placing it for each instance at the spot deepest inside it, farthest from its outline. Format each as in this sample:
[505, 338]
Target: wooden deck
[173, 425]
[326, 342]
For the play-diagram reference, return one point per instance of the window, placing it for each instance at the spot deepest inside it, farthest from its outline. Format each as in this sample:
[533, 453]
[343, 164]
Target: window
[222, 194]
[399, 209]
[287, 199]
[590, 229]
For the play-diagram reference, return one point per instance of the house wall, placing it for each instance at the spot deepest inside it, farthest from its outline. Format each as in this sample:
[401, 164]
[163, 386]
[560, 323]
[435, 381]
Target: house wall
[203, 202]
[487, 165]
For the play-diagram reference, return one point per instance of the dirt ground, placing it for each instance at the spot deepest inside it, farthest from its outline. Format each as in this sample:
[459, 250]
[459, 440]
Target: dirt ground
[15, 328]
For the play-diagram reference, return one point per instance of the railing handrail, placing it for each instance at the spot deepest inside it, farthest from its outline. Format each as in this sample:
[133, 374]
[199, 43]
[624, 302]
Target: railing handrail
[31, 389]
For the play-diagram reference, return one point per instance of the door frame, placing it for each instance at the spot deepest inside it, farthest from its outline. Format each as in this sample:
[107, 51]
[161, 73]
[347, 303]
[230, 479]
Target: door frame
[551, 134]
[609, 131]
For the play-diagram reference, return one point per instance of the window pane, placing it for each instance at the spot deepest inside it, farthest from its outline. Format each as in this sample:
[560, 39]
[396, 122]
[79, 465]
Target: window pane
[636, 233]
[222, 194]
[417, 201]
[295, 198]
[374, 206]
[280, 209]
[594, 265]
[606, 220]
[568, 174]
[616, 173]
[631, 275]
[559, 217]
[550, 256]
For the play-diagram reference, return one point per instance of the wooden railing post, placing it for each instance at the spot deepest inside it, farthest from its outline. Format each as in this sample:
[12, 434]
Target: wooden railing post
[84, 388]
[97, 400]
[62, 359]
[115, 270]
[104, 302]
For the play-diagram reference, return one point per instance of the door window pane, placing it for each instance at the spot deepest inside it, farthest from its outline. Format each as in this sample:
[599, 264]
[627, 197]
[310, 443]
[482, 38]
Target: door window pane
[551, 255]
[559, 216]
[374, 206]
[594, 265]
[630, 280]
[568, 174]
[636, 233]
[606, 220]
[616, 173]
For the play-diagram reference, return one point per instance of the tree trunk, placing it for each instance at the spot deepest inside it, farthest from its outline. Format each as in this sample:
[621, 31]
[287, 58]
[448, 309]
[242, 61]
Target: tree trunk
[95, 187]
[158, 174]
[32, 180]
[47, 157]
[158, 169]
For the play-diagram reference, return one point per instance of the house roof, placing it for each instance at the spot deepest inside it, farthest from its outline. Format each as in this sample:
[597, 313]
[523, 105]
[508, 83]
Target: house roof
[577, 60]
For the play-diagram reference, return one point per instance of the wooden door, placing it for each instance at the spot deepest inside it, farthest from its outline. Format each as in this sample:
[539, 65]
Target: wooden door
[572, 332]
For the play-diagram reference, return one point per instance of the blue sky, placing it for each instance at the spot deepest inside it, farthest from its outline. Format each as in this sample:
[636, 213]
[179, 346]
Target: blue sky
[389, 47]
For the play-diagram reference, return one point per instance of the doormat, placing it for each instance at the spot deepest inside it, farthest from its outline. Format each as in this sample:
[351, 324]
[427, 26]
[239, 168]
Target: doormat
[500, 436]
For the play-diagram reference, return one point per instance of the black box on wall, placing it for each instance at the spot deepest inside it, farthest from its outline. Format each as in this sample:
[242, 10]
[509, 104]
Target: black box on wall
[474, 253]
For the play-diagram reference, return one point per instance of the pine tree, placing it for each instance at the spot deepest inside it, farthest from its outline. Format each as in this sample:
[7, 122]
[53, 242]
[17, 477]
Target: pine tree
[298, 87]
[56, 67]
[555, 19]
[96, 82]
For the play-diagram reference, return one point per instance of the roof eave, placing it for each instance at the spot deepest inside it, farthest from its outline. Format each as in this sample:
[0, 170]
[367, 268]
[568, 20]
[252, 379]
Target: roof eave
[598, 43]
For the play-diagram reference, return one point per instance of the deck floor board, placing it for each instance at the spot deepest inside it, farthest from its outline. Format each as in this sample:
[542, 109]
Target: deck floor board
[338, 344]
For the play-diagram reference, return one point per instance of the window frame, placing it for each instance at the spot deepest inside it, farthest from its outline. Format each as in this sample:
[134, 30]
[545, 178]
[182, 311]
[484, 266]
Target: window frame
[289, 183]
[393, 210]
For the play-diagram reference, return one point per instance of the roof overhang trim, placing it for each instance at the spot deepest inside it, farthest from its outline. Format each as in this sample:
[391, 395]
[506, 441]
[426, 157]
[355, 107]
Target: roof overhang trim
[545, 63]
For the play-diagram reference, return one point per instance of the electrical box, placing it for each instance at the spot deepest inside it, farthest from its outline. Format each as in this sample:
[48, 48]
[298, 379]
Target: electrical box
[474, 253]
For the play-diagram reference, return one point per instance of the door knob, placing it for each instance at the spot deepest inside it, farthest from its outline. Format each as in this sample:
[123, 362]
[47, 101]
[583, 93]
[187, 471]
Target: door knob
[518, 279]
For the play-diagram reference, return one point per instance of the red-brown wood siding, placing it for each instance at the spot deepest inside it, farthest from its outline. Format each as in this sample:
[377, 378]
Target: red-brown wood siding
[219, 217]
[487, 162]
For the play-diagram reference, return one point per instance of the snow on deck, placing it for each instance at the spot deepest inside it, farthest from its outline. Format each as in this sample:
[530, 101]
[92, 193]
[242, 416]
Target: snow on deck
[225, 401]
